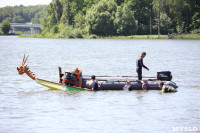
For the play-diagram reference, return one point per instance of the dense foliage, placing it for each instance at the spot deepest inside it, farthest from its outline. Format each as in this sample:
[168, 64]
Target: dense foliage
[72, 18]
[100, 18]
[23, 14]
[125, 22]
[5, 27]
[78, 18]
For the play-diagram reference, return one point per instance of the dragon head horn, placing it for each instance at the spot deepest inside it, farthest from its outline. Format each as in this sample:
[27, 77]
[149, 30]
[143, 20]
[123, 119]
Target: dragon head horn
[24, 60]
[21, 69]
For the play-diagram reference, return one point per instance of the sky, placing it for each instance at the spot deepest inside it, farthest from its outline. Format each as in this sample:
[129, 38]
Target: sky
[4, 3]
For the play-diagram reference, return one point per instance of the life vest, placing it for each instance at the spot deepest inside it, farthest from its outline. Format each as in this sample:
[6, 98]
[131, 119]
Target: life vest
[79, 74]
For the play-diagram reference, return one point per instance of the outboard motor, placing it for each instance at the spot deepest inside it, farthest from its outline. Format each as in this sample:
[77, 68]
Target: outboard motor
[70, 78]
[164, 76]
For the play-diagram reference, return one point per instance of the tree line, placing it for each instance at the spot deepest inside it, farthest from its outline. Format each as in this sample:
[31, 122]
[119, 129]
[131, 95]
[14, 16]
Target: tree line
[121, 17]
[76, 18]
[23, 14]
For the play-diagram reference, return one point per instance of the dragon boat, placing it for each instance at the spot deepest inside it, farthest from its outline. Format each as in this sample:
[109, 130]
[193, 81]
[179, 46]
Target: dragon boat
[68, 80]
[52, 85]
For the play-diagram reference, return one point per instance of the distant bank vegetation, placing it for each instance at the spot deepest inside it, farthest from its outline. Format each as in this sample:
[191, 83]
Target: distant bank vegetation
[112, 18]
[23, 14]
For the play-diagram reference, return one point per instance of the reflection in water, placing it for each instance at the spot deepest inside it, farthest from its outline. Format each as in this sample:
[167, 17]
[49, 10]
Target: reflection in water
[140, 95]
[27, 106]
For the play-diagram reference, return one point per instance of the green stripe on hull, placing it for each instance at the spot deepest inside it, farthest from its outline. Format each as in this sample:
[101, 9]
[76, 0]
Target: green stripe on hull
[68, 88]
[57, 86]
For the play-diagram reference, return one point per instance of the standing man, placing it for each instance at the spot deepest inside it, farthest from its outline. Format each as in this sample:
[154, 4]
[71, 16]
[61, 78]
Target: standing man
[139, 65]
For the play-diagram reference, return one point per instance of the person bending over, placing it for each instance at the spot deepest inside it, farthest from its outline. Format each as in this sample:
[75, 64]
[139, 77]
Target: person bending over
[166, 88]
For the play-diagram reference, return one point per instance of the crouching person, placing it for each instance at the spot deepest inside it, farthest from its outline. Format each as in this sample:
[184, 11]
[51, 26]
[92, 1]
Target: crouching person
[79, 77]
[93, 84]
[166, 88]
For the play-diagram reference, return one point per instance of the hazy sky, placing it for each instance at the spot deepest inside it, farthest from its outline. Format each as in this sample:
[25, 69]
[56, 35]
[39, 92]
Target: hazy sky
[4, 3]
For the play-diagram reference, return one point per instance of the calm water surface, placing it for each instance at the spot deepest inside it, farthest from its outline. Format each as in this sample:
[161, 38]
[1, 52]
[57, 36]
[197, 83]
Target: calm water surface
[27, 107]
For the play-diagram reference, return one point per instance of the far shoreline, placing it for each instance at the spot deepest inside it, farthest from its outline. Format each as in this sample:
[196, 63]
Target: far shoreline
[170, 37]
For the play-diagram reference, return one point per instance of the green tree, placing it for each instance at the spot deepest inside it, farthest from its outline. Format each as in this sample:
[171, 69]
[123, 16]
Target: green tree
[119, 2]
[180, 27]
[23, 14]
[57, 9]
[79, 20]
[65, 18]
[18, 19]
[195, 21]
[49, 23]
[5, 27]
[100, 18]
[1, 33]
[180, 11]
[64, 13]
[125, 22]
[165, 24]
[38, 16]
[79, 7]
[143, 13]
[159, 6]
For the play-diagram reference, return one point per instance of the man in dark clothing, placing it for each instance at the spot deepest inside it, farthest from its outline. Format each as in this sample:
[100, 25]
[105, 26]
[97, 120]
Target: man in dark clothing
[139, 65]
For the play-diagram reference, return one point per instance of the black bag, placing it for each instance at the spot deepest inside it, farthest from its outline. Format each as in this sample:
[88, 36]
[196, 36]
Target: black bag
[164, 76]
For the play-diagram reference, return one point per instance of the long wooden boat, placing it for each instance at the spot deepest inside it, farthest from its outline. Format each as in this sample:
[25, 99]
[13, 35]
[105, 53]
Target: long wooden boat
[52, 85]
[104, 82]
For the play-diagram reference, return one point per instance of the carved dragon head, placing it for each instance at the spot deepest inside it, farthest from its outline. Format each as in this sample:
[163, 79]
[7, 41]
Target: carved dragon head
[24, 69]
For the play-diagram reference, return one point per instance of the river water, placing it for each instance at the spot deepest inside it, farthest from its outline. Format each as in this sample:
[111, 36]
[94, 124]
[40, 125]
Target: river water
[27, 107]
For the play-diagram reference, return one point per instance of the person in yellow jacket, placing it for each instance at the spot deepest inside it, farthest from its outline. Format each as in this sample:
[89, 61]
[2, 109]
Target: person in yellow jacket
[79, 77]
[166, 88]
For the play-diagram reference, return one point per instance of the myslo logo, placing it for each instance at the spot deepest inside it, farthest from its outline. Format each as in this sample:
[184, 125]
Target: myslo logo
[185, 129]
